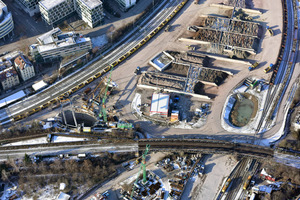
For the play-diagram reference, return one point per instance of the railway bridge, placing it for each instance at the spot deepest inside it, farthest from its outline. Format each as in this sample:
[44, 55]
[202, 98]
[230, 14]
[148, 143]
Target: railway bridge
[206, 146]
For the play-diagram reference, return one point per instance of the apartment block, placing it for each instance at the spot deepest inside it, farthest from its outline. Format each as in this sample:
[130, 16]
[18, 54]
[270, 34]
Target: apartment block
[53, 11]
[90, 11]
[55, 44]
[6, 21]
[24, 67]
[30, 6]
[126, 4]
[8, 75]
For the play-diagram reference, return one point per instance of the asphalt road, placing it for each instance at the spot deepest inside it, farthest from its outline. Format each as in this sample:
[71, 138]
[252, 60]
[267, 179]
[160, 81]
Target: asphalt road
[74, 149]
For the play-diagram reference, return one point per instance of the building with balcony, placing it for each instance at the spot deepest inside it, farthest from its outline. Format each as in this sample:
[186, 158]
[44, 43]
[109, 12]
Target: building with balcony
[6, 21]
[30, 6]
[126, 4]
[90, 11]
[8, 75]
[54, 11]
[55, 44]
[24, 67]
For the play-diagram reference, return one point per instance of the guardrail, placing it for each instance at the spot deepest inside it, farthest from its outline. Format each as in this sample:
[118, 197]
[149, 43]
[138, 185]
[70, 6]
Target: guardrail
[97, 75]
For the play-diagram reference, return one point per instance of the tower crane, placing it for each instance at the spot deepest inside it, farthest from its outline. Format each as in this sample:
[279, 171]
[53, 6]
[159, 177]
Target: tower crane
[143, 167]
[102, 112]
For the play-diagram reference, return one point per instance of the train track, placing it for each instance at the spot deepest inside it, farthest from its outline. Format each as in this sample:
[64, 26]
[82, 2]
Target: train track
[205, 146]
[64, 88]
[283, 66]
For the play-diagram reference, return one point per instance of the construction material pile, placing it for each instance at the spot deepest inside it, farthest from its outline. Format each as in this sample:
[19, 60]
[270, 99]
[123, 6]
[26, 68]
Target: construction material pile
[237, 3]
[213, 76]
[242, 27]
[218, 23]
[222, 31]
[237, 40]
[208, 35]
[163, 81]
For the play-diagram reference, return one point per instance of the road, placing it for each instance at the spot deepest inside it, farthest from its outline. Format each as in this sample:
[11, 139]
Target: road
[70, 149]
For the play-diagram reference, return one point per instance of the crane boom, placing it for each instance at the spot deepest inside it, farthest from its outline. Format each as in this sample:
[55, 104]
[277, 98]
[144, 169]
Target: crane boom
[103, 107]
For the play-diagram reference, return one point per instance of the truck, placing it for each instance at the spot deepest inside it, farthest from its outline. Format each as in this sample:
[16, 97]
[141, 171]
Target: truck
[270, 31]
[253, 66]
[268, 68]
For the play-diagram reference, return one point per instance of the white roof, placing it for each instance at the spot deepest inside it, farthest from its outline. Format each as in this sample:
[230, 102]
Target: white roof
[47, 38]
[160, 104]
[62, 186]
[48, 4]
[39, 85]
[91, 3]
[63, 196]
[12, 98]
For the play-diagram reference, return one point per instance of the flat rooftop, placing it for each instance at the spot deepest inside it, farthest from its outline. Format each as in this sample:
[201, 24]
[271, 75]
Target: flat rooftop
[160, 104]
[49, 4]
[91, 3]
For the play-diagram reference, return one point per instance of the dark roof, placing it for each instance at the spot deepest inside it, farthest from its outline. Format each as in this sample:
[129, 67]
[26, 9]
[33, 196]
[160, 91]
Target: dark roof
[8, 73]
[21, 61]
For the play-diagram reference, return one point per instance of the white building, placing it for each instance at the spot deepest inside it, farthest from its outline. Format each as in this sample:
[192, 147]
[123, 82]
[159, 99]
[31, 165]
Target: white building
[53, 11]
[126, 4]
[91, 11]
[30, 6]
[6, 21]
[160, 104]
[24, 67]
[8, 75]
[55, 44]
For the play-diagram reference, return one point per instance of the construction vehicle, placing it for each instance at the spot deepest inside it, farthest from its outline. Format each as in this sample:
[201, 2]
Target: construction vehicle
[254, 83]
[253, 66]
[137, 71]
[270, 31]
[268, 68]
[246, 184]
[167, 28]
[226, 185]
[190, 47]
[143, 166]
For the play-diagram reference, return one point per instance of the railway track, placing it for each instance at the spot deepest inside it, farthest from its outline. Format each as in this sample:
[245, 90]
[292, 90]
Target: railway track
[206, 146]
[283, 66]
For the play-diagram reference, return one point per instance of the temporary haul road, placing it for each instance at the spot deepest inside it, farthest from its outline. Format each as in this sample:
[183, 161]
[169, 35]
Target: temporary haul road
[142, 34]
[138, 39]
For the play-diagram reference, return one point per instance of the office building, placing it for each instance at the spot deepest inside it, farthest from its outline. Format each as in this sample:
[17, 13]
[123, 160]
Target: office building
[6, 21]
[126, 4]
[90, 11]
[54, 11]
[55, 44]
[30, 6]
